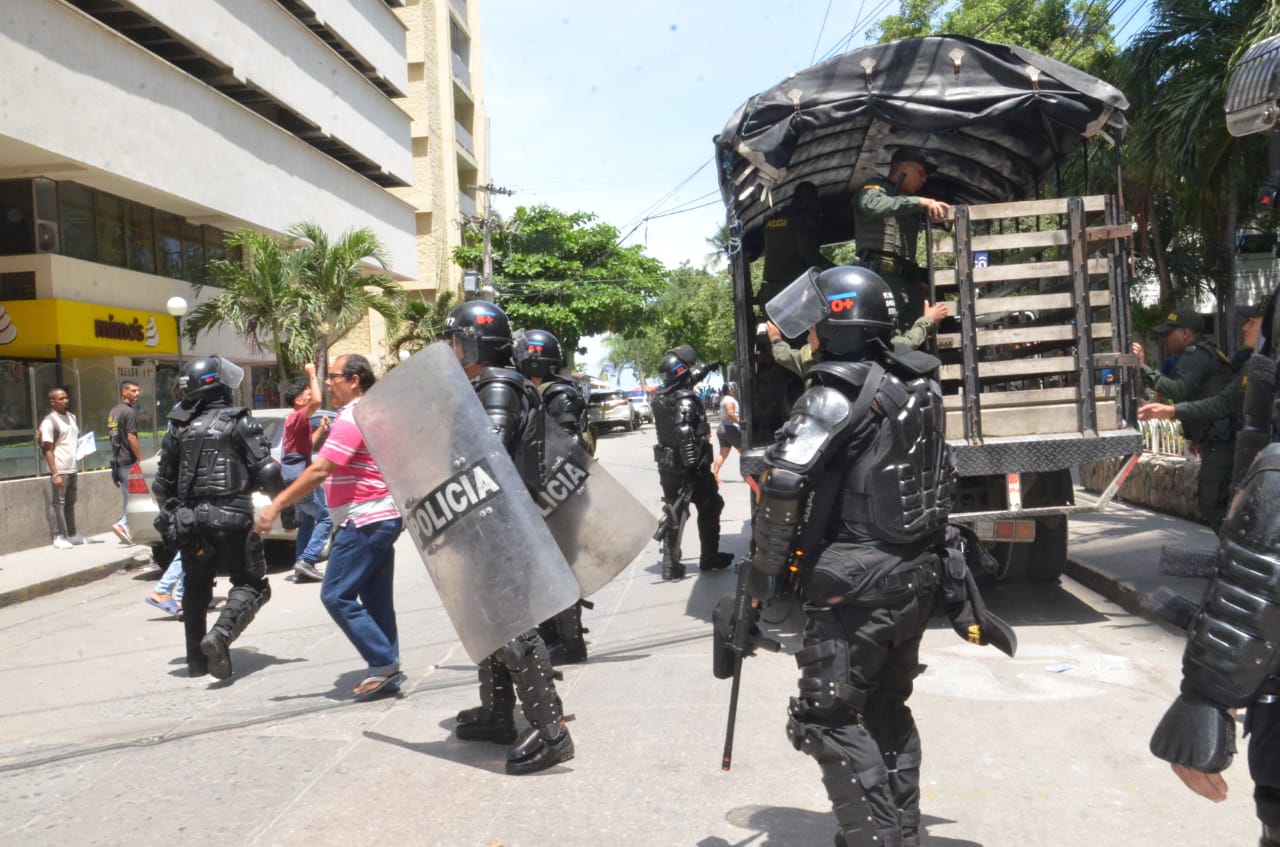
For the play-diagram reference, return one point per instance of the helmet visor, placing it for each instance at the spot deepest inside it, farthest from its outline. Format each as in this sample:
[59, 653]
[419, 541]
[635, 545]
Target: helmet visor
[465, 344]
[798, 306]
[229, 373]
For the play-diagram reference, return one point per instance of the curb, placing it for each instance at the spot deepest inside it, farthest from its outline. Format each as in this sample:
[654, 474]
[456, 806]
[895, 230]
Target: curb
[1124, 594]
[62, 583]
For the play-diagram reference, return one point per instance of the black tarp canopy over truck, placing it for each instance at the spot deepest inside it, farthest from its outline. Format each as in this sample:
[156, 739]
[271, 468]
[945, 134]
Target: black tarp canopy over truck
[1042, 313]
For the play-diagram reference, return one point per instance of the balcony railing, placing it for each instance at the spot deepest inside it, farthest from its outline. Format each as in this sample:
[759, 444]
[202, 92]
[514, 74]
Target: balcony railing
[460, 71]
[466, 204]
[464, 138]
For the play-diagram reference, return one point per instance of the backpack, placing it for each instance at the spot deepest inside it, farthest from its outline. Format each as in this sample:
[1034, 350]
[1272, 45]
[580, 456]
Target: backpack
[57, 431]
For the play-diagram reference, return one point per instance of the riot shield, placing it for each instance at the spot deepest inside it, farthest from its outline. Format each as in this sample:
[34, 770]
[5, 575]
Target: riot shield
[496, 567]
[599, 526]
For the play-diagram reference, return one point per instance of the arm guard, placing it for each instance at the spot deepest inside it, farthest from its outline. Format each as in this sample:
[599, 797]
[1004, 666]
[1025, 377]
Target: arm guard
[775, 526]
[565, 407]
[1234, 642]
[501, 392]
[691, 430]
[1259, 405]
[263, 470]
[165, 485]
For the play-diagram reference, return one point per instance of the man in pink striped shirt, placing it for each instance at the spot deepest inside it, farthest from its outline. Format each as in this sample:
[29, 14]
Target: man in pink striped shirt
[367, 523]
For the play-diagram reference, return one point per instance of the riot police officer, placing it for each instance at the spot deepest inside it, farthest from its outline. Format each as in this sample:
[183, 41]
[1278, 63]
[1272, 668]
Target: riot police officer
[1232, 657]
[480, 335]
[864, 459]
[211, 461]
[540, 357]
[684, 458]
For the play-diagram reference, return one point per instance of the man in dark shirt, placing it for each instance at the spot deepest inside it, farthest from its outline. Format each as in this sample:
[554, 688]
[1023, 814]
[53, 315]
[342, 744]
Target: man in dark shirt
[791, 241]
[122, 424]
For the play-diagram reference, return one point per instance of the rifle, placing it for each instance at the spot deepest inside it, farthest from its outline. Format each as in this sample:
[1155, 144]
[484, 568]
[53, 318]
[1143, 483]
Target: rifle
[736, 638]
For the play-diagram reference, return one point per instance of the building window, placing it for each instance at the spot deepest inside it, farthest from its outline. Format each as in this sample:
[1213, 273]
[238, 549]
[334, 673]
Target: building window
[75, 214]
[141, 239]
[47, 231]
[192, 253]
[169, 244]
[18, 285]
[17, 221]
[108, 211]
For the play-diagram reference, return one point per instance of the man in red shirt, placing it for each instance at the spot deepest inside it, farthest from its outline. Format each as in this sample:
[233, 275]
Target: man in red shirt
[299, 441]
[362, 556]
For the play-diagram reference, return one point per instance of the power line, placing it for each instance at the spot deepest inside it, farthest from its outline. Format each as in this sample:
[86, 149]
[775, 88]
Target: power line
[821, 29]
[670, 193]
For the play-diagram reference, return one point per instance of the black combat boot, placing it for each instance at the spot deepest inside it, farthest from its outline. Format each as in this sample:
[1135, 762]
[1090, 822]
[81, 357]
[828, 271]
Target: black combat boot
[715, 561]
[535, 752]
[217, 653]
[479, 724]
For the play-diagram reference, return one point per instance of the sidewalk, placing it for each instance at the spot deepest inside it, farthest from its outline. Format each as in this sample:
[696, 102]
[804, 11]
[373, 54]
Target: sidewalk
[1116, 553]
[32, 573]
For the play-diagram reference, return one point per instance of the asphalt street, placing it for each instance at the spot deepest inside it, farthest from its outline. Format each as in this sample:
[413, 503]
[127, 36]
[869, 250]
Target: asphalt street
[105, 741]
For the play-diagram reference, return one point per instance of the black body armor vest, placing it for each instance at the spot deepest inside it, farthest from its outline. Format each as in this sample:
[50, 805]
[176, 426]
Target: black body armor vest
[564, 405]
[681, 424]
[515, 408]
[213, 458]
[898, 483]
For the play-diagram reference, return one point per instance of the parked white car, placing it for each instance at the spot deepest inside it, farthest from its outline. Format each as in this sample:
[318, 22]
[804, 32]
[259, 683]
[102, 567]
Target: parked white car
[142, 507]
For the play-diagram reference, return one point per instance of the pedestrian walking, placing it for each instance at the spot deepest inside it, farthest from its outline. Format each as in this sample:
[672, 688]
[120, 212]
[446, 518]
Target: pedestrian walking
[59, 433]
[122, 425]
[212, 459]
[358, 581]
[729, 433]
[168, 593]
[296, 448]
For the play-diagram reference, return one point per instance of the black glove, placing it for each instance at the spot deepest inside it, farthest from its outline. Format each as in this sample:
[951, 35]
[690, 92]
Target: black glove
[1196, 734]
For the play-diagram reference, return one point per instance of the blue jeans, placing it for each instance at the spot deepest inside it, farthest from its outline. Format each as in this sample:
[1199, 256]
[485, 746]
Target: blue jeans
[314, 524]
[357, 590]
[172, 582]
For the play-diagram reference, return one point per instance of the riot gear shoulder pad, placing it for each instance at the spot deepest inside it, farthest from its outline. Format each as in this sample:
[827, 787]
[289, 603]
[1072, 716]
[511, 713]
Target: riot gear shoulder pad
[776, 522]
[502, 393]
[819, 422]
[911, 362]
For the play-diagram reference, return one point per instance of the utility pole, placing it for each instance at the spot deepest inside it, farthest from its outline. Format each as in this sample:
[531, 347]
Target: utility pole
[487, 223]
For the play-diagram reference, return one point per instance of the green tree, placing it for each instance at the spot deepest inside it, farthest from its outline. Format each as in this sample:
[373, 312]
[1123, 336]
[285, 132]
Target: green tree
[696, 309]
[259, 297]
[339, 292]
[421, 322]
[1188, 181]
[1070, 30]
[719, 244]
[566, 273]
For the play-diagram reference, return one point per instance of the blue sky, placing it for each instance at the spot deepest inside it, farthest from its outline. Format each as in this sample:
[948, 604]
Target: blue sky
[606, 106]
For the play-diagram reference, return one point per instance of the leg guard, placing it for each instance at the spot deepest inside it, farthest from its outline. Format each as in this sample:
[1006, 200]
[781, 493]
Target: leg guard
[494, 719]
[242, 607]
[825, 723]
[1234, 642]
[570, 647]
[546, 742]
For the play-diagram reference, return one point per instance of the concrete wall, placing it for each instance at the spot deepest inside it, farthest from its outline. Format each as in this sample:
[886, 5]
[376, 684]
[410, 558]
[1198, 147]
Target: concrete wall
[27, 514]
[83, 92]
[1162, 483]
[372, 29]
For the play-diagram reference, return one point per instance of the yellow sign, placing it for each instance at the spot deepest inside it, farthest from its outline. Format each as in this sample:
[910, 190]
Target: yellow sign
[35, 329]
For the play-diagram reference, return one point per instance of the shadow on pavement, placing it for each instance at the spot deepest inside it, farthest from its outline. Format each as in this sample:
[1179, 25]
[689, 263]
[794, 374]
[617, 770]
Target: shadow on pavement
[245, 661]
[481, 755]
[784, 826]
[1026, 603]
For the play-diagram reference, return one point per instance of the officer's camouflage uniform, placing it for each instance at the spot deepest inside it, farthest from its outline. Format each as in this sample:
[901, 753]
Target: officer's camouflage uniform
[887, 226]
[1207, 400]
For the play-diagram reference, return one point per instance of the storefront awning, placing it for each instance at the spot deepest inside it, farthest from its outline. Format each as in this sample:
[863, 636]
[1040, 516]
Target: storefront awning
[34, 329]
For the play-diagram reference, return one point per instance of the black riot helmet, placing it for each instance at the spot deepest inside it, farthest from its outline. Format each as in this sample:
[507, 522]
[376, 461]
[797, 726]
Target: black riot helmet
[852, 308]
[677, 364]
[208, 379]
[483, 331]
[537, 353]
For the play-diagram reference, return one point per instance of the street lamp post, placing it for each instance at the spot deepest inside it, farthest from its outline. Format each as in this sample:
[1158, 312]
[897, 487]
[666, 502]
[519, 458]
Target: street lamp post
[177, 307]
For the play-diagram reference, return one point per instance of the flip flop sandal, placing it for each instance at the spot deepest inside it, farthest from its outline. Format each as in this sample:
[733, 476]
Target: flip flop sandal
[168, 606]
[372, 686]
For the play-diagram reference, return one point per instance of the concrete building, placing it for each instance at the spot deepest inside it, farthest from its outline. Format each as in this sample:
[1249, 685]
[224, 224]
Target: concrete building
[450, 136]
[133, 135]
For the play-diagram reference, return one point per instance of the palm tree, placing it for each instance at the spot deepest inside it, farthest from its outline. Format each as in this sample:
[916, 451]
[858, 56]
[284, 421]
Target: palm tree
[259, 298]
[720, 242]
[422, 321]
[339, 291]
